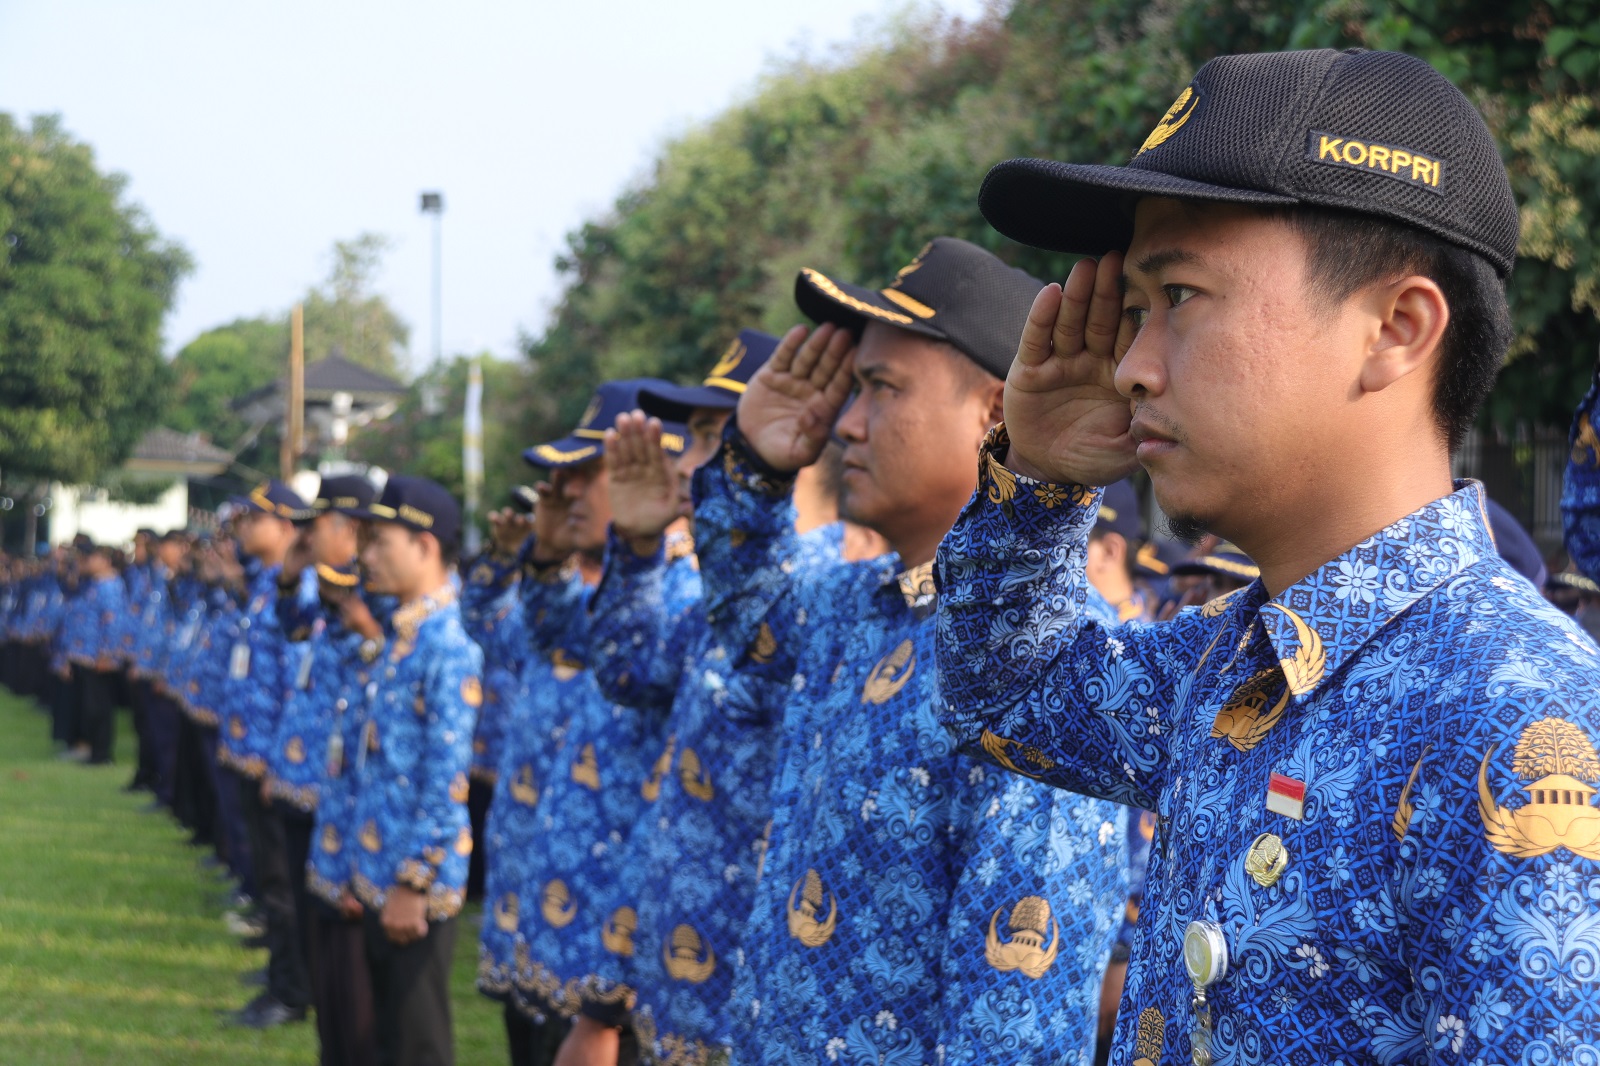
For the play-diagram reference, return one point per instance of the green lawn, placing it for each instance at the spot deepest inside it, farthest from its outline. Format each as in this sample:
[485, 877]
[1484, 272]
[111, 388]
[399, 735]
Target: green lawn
[112, 948]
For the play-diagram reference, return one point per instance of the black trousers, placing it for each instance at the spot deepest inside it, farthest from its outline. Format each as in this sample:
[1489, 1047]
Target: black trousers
[478, 797]
[63, 696]
[95, 722]
[232, 832]
[193, 801]
[161, 725]
[297, 826]
[140, 697]
[533, 1043]
[342, 990]
[411, 994]
[288, 980]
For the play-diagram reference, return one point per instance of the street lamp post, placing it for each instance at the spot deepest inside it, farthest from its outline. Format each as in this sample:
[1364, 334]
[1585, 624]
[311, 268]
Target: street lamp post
[433, 204]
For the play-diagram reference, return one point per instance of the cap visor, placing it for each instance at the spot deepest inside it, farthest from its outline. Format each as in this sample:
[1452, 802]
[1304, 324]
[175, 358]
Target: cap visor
[568, 451]
[1087, 209]
[822, 299]
[677, 403]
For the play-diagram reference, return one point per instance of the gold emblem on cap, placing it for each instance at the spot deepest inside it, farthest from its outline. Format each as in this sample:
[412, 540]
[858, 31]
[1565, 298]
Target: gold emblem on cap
[1266, 860]
[730, 360]
[1180, 112]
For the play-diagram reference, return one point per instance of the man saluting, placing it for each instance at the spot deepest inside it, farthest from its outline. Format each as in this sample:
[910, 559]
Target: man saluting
[1374, 766]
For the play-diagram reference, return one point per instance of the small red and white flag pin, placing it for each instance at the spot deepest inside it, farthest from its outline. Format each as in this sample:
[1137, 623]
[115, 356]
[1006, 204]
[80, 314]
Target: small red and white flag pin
[1287, 797]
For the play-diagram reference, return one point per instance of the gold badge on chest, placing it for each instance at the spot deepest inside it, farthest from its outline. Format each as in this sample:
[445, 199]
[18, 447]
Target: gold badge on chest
[1266, 860]
[557, 905]
[890, 675]
[688, 958]
[1254, 708]
[617, 934]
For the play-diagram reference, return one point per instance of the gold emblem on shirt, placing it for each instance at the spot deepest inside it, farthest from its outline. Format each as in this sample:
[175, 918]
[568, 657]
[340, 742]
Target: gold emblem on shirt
[616, 936]
[523, 790]
[557, 905]
[688, 958]
[1586, 447]
[694, 778]
[295, 751]
[1304, 668]
[1560, 763]
[1251, 712]
[1405, 809]
[1001, 749]
[505, 913]
[890, 675]
[1266, 860]
[765, 646]
[804, 925]
[564, 666]
[651, 789]
[370, 838]
[472, 692]
[1152, 1034]
[1029, 924]
[460, 788]
[586, 771]
[463, 842]
[331, 842]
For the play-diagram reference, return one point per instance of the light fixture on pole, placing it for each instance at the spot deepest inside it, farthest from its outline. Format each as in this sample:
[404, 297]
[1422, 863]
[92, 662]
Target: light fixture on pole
[433, 204]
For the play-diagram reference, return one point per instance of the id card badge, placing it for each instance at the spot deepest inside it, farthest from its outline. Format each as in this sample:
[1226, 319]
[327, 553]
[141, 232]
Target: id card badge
[303, 678]
[368, 729]
[335, 756]
[186, 638]
[239, 663]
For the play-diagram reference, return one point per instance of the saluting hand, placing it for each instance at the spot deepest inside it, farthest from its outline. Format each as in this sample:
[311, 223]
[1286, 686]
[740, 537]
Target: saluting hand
[788, 411]
[1067, 422]
[508, 529]
[646, 491]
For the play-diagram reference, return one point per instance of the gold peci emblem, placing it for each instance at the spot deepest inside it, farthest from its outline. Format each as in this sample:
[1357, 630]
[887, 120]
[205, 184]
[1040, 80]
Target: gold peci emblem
[804, 925]
[557, 905]
[1560, 764]
[688, 957]
[1252, 711]
[1266, 860]
[890, 675]
[617, 934]
[1029, 924]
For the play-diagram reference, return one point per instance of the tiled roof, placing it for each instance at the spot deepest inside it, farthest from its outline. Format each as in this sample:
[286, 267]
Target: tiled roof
[163, 445]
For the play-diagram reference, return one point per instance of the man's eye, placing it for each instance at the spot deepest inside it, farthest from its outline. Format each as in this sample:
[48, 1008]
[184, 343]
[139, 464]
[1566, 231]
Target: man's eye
[1178, 294]
[1136, 316]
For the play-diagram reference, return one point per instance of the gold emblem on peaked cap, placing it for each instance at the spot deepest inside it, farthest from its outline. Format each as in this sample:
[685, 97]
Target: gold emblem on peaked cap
[804, 925]
[683, 957]
[1029, 923]
[616, 936]
[730, 360]
[1266, 860]
[1560, 764]
[557, 905]
[891, 674]
[590, 413]
[505, 913]
[1177, 115]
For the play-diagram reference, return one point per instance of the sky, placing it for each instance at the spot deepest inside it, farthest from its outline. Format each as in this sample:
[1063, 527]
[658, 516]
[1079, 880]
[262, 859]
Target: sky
[258, 134]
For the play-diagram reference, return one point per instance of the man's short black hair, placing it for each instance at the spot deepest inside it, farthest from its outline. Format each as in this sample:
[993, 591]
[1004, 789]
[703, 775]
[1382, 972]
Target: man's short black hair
[1345, 252]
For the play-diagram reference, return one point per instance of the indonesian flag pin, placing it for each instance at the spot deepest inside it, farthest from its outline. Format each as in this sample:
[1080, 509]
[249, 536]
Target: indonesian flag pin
[1287, 797]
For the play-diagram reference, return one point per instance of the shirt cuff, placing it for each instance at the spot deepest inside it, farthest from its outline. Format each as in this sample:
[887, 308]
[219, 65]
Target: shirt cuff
[1018, 496]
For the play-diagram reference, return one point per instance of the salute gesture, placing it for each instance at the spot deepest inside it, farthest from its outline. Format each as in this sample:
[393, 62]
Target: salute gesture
[647, 492]
[788, 411]
[1066, 420]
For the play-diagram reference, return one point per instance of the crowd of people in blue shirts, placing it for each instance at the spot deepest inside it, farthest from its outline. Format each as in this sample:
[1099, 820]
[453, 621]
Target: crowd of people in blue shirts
[846, 707]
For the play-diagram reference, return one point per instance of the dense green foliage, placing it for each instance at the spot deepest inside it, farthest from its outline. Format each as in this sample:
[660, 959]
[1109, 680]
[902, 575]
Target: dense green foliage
[851, 164]
[85, 281]
[112, 947]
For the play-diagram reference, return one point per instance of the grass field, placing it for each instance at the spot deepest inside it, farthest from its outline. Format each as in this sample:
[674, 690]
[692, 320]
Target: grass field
[112, 948]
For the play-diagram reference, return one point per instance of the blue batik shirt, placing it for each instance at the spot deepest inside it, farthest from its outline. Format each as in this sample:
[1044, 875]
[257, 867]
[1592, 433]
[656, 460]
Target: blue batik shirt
[1580, 492]
[1434, 894]
[694, 851]
[149, 609]
[589, 800]
[256, 680]
[412, 749]
[89, 626]
[318, 647]
[913, 905]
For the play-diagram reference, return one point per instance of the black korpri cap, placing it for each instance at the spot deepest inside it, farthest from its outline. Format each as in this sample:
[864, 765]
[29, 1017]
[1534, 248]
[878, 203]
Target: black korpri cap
[952, 291]
[420, 505]
[587, 439]
[722, 387]
[1377, 133]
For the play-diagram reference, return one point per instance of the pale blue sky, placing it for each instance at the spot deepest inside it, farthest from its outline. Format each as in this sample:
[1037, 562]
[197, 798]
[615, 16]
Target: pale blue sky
[257, 133]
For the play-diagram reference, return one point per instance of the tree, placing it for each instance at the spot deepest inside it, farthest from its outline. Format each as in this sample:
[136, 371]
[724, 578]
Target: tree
[85, 281]
[344, 314]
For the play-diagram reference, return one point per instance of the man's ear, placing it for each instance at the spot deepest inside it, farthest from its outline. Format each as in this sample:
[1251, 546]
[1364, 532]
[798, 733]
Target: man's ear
[996, 405]
[1411, 316]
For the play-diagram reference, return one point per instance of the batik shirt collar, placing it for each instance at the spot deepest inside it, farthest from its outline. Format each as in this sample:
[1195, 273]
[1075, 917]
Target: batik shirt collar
[1322, 621]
